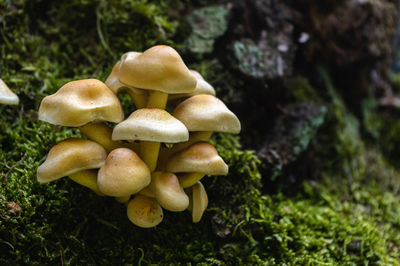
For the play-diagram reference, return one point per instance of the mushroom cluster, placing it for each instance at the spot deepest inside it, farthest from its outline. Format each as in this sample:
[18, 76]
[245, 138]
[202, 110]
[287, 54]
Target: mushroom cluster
[128, 161]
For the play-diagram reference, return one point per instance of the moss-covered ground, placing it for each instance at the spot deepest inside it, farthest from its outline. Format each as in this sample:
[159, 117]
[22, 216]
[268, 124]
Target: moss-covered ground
[344, 212]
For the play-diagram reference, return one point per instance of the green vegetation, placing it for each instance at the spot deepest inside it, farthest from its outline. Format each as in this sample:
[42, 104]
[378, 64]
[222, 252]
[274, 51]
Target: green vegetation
[347, 212]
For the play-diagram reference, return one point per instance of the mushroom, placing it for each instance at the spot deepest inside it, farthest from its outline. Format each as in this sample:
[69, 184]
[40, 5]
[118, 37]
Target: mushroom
[202, 115]
[123, 174]
[198, 201]
[6, 95]
[159, 69]
[81, 102]
[151, 126]
[138, 96]
[168, 192]
[71, 156]
[144, 211]
[196, 161]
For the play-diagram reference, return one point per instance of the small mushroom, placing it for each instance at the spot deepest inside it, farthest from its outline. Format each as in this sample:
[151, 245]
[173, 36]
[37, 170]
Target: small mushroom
[198, 201]
[6, 95]
[206, 113]
[80, 102]
[196, 161]
[123, 174]
[71, 156]
[168, 192]
[202, 115]
[159, 69]
[151, 126]
[144, 211]
[138, 96]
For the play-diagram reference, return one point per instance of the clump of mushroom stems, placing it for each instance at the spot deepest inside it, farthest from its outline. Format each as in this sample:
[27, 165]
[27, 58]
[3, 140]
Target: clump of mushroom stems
[129, 162]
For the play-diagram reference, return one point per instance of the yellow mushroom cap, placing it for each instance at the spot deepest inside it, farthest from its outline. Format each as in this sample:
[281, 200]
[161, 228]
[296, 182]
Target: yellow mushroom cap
[206, 113]
[144, 211]
[123, 173]
[202, 87]
[198, 201]
[71, 156]
[168, 191]
[151, 124]
[201, 157]
[159, 68]
[6, 95]
[80, 102]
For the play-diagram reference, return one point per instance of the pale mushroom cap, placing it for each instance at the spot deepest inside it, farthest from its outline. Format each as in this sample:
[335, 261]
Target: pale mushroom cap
[144, 211]
[159, 68]
[151, 124]
[123, 173]
[71, 156]
[6, 95]
[198, 201]
[80, 102]
[168, 191]
[206, 113]
[202, 87]
[201, 157]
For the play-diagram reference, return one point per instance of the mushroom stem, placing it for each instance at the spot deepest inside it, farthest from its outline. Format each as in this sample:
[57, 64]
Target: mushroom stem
[193, 138]
[101, 133]
[149, 153]
[189, 179]
[87, 178]
[157, 99]
[139, 99]
[149, 150]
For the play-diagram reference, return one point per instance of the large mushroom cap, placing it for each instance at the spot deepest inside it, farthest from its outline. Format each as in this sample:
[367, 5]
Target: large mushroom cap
[206, 113]
[159, 68]
[151, 124]
[80, 102]
[144, 211]
[71, 156]
[6, 95]
[123, 173]
[198, 201]
[201, 157]
[168, 191]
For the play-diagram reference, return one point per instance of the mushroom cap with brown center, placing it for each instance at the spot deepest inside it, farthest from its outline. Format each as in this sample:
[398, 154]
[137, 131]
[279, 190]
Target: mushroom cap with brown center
[80, 102]
[144, 211]
[205, 112]
[168, 191]
[158, 68]
[6, 95]
[151, 124]
[71, 156]
[123, 174]
[201, 157]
